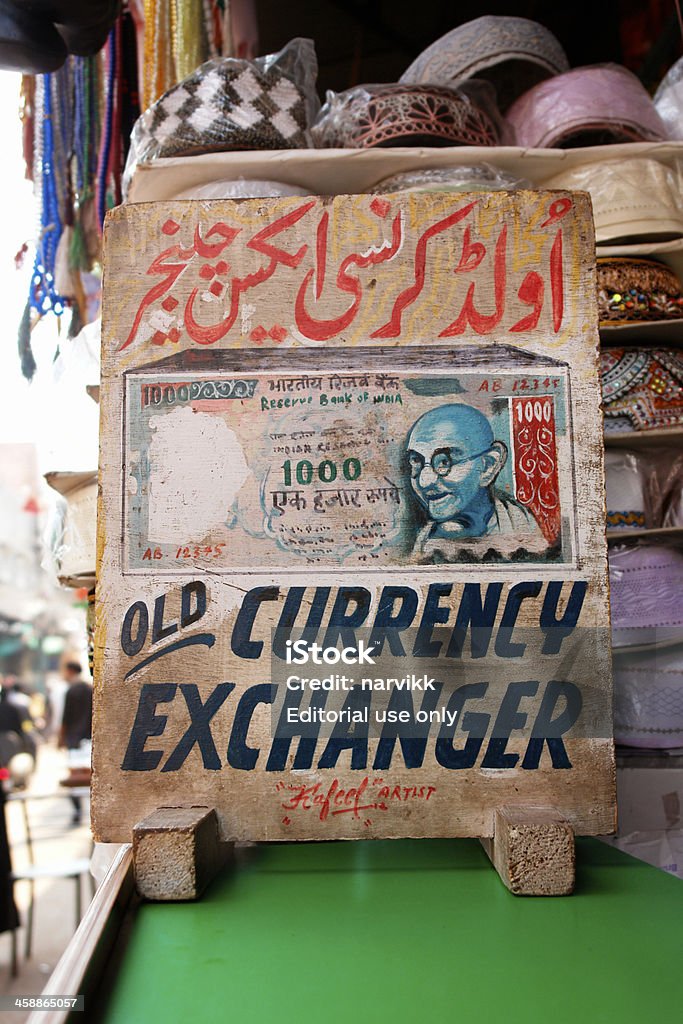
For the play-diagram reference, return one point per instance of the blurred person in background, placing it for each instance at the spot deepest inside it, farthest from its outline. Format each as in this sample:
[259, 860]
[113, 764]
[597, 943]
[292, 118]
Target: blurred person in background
[16, 693]
[20, 699]
[76, 718]
[11, 731]
[55, 692]
[9, 918]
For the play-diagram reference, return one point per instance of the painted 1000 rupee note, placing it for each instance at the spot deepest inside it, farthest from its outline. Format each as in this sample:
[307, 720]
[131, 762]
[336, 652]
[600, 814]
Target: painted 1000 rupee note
[370, 467]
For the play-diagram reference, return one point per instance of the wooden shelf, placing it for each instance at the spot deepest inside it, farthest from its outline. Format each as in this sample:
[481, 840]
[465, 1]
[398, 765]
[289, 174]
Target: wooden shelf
[667, 250]
[620, 650]
[650, 533]
[665, 436]
[657, 333]
[643, 757]
[345, 171]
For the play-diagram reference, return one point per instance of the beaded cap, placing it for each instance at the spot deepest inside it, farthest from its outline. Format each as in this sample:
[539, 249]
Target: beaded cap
[634, 290]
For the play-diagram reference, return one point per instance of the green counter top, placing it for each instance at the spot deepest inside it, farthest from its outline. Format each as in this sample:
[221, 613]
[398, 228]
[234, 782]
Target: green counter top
[406, 931]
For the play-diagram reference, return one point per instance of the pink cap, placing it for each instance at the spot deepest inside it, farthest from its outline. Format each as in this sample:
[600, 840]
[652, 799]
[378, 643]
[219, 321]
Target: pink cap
[587, 106]
[645, 595]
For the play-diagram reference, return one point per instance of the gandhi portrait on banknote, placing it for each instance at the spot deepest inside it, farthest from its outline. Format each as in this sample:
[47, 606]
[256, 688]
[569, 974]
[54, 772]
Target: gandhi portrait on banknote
[454, 461]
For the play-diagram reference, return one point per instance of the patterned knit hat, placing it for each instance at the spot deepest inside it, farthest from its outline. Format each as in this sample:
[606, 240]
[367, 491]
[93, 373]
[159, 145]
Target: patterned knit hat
[408, 115]
[513, 54]
[226, 104]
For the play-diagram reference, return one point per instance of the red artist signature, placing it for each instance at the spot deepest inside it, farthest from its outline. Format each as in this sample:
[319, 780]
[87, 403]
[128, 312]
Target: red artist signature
[370, 795]
[318, 276]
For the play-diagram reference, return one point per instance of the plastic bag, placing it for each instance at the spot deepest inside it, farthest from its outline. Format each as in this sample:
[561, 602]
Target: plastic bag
[70, 537]
[589, 106]
[625, 494]
[228, 104]
[646, 581]
[644, 488]
[669, 100]
[673, 508]
[648, 698]
[663, 478]
[241, 188]
[410, 115]
[466, 178]
[54, 548]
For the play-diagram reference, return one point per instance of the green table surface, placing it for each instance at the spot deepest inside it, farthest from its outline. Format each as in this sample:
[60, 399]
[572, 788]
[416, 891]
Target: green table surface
[406, 931]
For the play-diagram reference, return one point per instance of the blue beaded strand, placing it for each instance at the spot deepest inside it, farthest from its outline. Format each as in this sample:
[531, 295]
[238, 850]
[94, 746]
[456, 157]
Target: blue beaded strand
[43, 294]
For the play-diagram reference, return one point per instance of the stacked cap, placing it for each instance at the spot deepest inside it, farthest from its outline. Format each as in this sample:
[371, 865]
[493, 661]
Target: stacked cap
[648, 698]
[512, 53]
[409, 115]
[645, 595]
[633, 200]
[587, 106]
[464, 178]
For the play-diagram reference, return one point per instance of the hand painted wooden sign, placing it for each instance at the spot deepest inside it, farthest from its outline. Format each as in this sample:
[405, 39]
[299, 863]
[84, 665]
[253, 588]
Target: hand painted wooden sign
[352, 568]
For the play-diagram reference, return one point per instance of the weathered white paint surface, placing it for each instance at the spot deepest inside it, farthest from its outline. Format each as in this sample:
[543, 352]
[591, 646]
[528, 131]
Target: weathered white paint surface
[152, 643]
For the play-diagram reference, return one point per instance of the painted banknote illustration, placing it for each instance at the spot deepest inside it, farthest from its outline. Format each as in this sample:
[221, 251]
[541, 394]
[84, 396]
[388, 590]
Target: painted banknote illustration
[454, 463]
[369, 467]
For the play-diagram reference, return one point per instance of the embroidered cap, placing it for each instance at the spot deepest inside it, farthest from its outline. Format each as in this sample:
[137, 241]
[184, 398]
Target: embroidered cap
[632, 290]
[594, 105]
[648, 698]
[645, 595]
[633, 199]
[642, 389]
[512, 53]
[409, 115]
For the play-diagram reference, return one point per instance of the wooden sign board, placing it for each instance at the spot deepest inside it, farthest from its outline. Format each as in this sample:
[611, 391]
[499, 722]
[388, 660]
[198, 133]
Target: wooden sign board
[370, 424]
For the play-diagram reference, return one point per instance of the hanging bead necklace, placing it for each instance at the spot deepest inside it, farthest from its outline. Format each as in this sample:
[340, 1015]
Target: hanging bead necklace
[187, 45]
[159, 72]
[43, 292]
[105, 144]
